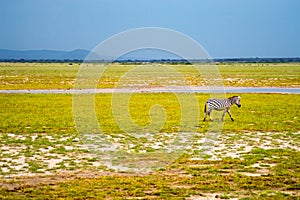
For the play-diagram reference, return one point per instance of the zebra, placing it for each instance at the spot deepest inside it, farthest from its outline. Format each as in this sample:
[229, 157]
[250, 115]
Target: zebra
[221, 104]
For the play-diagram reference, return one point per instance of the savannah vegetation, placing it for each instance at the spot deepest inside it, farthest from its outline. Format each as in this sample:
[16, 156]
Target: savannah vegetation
[255, 157]
[63, 75]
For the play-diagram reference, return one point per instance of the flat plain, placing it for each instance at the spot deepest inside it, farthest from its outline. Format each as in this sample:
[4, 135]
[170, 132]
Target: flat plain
[63, 75]
[42, 155]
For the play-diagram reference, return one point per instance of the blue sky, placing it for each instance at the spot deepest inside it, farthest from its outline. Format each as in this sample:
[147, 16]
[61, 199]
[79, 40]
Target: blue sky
[231, 28]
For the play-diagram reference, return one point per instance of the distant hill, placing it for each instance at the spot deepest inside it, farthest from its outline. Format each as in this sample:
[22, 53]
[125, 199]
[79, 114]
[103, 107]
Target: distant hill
[78, 54]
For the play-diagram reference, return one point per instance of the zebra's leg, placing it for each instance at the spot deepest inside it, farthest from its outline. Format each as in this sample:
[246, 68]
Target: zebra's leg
[228, 111]
[205, 115]
[223, 115]
[209, 111]
[205, 111]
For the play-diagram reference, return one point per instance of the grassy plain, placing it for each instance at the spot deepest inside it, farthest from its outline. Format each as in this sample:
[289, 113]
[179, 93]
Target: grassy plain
[42, 156]
[38, 136]
[52, 113]
[63, 75]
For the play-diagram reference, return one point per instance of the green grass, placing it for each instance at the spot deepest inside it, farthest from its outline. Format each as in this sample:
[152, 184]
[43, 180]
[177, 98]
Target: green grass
[260, 74]
[37, 75]
[40, 115]
[23, 114]
[52, 113]
[38, 128]
[63, 75]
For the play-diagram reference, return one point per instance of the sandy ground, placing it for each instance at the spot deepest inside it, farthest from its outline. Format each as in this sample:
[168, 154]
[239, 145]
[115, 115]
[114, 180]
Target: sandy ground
[17, 160]
[28, 159]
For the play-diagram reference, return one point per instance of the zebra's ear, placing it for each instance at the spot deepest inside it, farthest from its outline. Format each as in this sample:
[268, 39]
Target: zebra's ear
[239, 97]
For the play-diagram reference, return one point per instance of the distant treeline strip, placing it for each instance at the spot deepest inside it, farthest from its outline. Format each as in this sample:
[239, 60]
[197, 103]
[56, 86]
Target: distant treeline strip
[170, 61]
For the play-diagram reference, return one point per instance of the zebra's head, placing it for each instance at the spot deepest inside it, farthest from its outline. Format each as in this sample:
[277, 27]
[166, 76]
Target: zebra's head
[235, 100]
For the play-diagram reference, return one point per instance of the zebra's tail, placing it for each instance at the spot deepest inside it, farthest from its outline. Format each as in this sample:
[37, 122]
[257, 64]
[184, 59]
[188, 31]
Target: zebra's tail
[205, 108]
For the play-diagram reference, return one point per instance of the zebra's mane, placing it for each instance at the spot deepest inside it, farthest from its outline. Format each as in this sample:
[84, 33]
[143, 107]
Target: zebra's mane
[231, 99]
[234, 97]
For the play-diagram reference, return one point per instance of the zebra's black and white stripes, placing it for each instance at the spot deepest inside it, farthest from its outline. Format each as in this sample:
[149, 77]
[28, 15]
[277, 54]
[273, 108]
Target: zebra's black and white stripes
[221, 104]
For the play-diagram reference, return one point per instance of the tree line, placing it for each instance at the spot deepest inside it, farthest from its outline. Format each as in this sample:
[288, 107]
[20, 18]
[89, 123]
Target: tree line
[169, 61]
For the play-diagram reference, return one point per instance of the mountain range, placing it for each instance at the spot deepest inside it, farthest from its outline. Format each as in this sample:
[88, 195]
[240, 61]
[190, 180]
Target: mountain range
[145, 55]
[78, 54]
